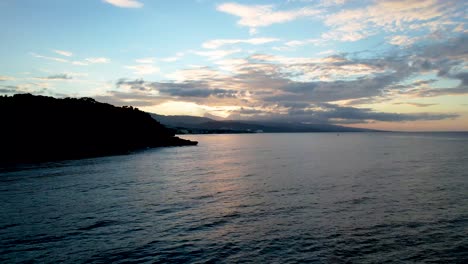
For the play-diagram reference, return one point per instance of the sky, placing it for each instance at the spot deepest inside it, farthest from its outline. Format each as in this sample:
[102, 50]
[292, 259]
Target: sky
[382, 64]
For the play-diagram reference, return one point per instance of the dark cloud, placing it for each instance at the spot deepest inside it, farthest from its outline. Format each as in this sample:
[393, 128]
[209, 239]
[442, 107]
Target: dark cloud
[454, 48]
[321, 91]
[447, 60]
[414, 104]
[244, 111]
[423, 82]
[367, 100]
[463, 78]
[7, 91]
[273, 82]
[359, 114]
[34, 89]
[333, 114]
[10, 89]
[295, 105]
[59, 77]
[181, 92]
[186, 89]
[416, 91]
[282, 88]
[137, 84]
[440, 92]
[348, 115]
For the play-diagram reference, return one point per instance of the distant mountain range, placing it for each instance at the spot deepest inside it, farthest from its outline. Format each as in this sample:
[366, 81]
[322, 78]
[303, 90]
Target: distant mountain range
[203, 125]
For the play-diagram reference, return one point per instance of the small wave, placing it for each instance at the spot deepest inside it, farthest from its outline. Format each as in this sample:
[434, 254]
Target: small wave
[98, 224]
[8, 226]
[356, 201]
[41, 239]
[219, 221]
[202, 197]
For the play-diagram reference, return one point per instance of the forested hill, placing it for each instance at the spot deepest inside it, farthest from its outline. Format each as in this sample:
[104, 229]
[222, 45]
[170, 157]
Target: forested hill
[40, 128]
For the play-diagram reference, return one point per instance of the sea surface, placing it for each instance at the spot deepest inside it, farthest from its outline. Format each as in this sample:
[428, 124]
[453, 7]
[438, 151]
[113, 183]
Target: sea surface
[246, 198]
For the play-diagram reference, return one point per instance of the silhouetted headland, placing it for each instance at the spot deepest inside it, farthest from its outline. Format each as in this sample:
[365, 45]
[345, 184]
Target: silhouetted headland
[41, 128]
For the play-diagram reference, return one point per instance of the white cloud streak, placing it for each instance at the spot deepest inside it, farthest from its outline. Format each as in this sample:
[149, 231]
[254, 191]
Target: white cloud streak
[254, 16]
[64, 53]
[149, 60]
[48, 58]
[143, 69]
[216, 54]
[125, 3]
[97, 60]
[216, 43]
[177, 57]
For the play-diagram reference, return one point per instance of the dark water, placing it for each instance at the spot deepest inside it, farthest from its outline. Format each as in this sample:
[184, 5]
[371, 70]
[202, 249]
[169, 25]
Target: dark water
[262, 198]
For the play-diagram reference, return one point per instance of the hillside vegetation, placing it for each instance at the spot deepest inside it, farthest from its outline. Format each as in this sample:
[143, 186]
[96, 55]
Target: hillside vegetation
[40, 128]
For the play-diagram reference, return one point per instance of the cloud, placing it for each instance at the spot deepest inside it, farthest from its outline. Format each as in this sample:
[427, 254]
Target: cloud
[216, 54]
[7, 91]
[341, 114]
[170, 59]
[332, 2]
[80, 63]
[391, 16]
[434, 92]
[6, 78]
[326, 91]
[63, 76]
[334, 113]
[330, 68]
[322, 3]
[48, 58]
[320, 89]
[422, 89]
[276, 79]
[125, 3]
[414, 104]
[197, 92]
[85, 62]
[460, 28]
[97, 60]
[254, 16]
[401, 40]
[135, 85]
[451, 49]
[192, 89]
[327, 52]
[292, 44]
[64, 53]
[34, 88]
[197, 73]
[177, 57]
[69, 77]
[214, 44]
[120, 98]
[144, 69]
[148, 60]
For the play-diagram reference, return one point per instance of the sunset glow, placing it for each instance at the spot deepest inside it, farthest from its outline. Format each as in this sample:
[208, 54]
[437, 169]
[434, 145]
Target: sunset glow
[387, 64]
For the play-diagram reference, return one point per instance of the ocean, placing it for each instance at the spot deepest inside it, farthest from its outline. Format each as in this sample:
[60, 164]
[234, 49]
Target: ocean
[246, 198]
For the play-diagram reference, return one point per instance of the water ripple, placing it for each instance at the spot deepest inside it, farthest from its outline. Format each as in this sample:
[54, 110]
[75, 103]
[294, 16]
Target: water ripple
[273, 198]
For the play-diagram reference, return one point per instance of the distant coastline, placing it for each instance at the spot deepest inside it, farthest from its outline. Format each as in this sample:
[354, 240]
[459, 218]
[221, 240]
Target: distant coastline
[41, 128]
[203, 125]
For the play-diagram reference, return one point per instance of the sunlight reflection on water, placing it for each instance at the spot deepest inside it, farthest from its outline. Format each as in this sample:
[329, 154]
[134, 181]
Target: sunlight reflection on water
[247, 198]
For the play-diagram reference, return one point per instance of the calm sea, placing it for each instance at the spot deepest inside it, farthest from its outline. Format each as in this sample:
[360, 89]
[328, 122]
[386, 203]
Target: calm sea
[259, 198]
